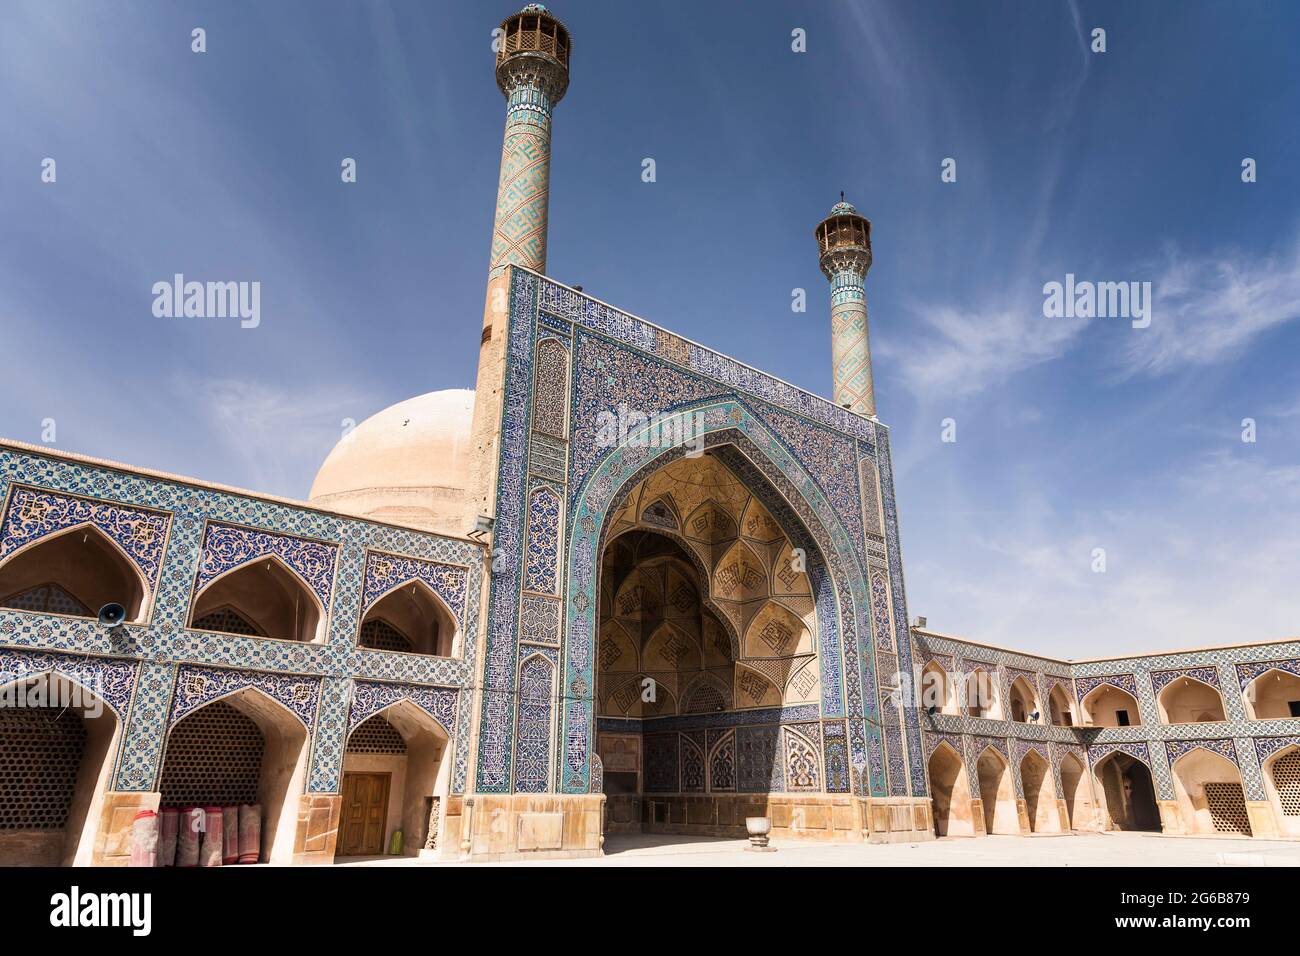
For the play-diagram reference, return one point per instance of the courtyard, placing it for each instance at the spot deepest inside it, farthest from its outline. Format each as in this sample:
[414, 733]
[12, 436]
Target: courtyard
[1090, 850]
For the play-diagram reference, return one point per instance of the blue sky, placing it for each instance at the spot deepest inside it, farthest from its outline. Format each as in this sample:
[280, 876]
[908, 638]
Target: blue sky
[1071, 435]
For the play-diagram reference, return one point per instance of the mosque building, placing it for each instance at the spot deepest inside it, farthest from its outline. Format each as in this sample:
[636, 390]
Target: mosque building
[519, 620]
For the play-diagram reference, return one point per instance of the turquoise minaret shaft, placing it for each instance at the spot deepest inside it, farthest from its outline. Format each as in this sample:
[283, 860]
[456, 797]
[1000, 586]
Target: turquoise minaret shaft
[844, 241]
[532, 70]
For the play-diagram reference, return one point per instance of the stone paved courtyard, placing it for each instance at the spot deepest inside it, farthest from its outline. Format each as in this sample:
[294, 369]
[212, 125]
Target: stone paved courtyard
[1092, 850]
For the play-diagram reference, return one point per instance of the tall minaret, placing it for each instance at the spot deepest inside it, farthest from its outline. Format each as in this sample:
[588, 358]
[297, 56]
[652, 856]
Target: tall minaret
[533, 73]
[844, 241]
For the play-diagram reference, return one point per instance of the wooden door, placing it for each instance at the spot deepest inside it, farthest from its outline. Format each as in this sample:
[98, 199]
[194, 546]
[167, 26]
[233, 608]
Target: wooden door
[365, 814]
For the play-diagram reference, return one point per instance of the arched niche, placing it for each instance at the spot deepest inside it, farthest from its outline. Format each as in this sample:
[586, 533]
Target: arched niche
[1210, 797]
[997, 793]
[1281, 773]
[1075, 792]
[1024, 701]
[1060, 707]
[76, 572]
[267, 594]
[983, 697]
[1185, 700]
[937, 690]
[395, 777]
[1128, 792]
[1040, 794]
[1108, 706]
[57, 742]
[1273, 695]
[243, 748]
[950, 792]
[410, 619]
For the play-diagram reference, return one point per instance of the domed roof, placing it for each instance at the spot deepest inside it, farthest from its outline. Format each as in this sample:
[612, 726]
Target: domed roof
[409, 464]
[844, 209]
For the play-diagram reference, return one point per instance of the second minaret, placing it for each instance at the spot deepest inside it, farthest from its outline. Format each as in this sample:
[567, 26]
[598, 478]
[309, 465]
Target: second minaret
[844, 244]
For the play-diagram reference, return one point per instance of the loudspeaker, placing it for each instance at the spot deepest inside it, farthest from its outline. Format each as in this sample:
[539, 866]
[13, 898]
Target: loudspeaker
[111, 615]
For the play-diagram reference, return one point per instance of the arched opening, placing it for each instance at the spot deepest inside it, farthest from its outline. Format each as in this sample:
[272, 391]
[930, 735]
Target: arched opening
[937, 690]
[953, 812]
[1060, 707]
[1040, 794]
[714, 617]
[1273, 695]
[263, 598]
[57, 741]
[1108, 706]
[1024, 702]
[1210, 797]
[1186, 700]
[982, 696]
[1130, 795]
[997, 793]
[241, 750]
[74, 572]
[1075, 793]
[410, 619]
[1282, 782]
[394, 779]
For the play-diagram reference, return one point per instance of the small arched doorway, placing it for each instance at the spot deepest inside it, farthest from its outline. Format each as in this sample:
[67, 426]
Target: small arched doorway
[1210, 798]
[953, 813]
[1040, 794]
[57, 742]
[394, 779]
[997, 793]
[1130, 793]
[73, 572]
[242, 749]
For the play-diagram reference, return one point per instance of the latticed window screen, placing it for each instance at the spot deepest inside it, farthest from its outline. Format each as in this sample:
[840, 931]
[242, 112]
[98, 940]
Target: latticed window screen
[705, 699]
[382, 636]
[46, 598]
[40, 754]
[376, 736]
[1227, 805]
[1286, 777]
[229, 620]
[214, 757]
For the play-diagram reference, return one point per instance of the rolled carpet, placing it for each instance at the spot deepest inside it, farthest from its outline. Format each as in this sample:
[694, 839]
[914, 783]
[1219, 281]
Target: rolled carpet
[187, 836]
[214, 835]
[168, 824]
[229, 835]
[144, 838]
[250, 833]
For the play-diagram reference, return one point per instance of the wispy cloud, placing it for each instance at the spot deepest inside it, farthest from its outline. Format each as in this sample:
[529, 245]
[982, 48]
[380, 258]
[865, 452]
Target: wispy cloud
[957, 351]
[1209, 309]
[278, 436]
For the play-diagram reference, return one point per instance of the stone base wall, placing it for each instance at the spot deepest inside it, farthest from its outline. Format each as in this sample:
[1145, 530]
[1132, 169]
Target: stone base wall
[818, 817]
[116, 812]
[517, 826]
